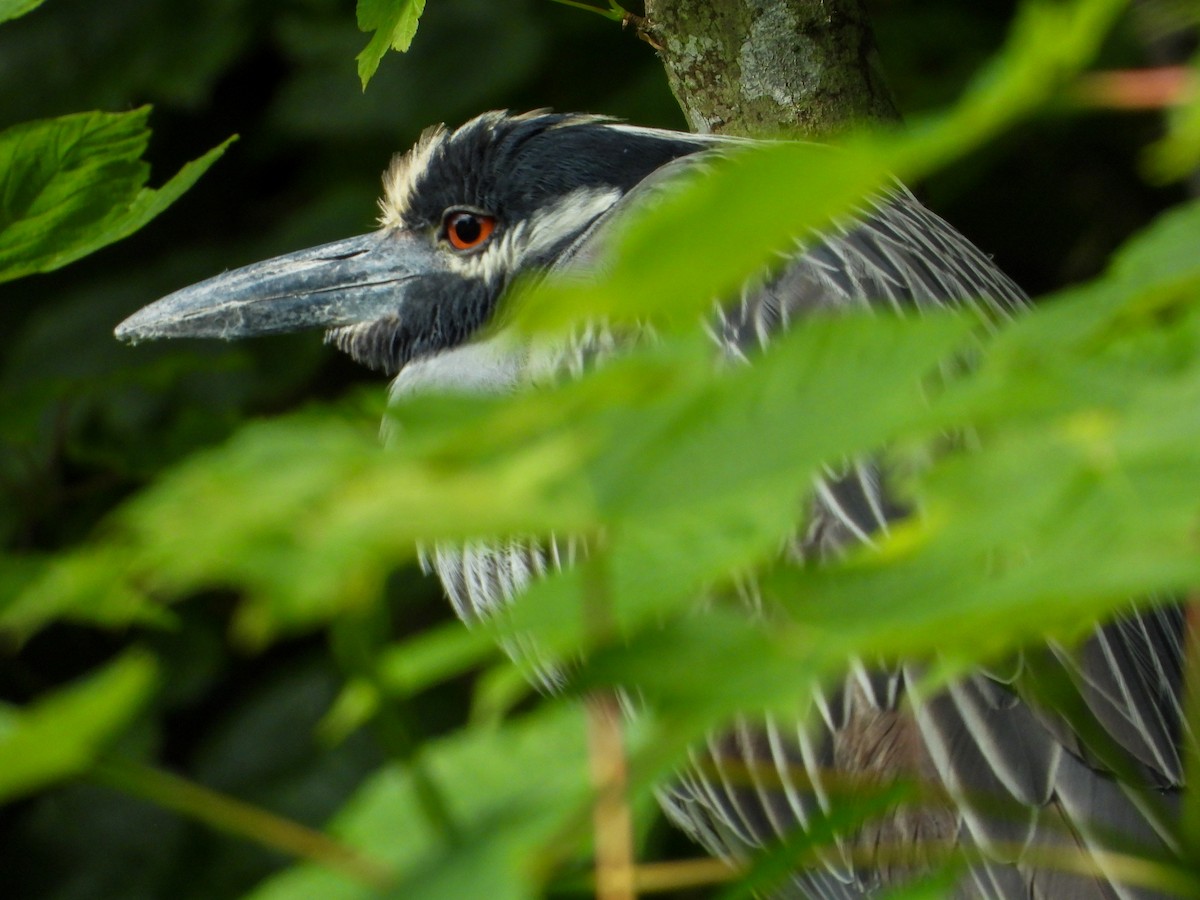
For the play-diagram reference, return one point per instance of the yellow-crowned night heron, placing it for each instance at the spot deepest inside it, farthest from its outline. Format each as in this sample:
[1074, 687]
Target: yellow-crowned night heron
[464, 212]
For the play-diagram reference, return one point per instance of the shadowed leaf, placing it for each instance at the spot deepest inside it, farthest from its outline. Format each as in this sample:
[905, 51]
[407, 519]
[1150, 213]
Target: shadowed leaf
[60, 735]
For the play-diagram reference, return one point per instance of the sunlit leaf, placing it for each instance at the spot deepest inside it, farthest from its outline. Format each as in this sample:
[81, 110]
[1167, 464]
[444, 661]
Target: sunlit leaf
[72, 185]
[504, 821]
[394, 23]
[13, 9]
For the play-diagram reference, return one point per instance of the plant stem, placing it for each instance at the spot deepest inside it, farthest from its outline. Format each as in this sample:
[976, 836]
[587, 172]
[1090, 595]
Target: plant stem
[238, 818]
[614, 12]
[356, 641]
[612, 820]
[611, 817]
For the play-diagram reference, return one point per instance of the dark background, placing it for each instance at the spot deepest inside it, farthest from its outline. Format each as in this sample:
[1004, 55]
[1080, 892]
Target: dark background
[84, 421]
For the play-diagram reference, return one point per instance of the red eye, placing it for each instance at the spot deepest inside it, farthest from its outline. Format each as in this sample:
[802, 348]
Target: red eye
[468, 230]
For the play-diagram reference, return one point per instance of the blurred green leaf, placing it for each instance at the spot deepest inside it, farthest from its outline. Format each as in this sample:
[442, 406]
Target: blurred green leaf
[433, 656]
[308, 515]
[507, 821]
[1048, 44]
[691, 245]
[394, 23]
[60, 735]
[683, 502]
[355, 706]
[72, 185]
[752, 204]
[83, 586]
[13, 9]
[1088, 409]
[1159, 258]
[1177, 155]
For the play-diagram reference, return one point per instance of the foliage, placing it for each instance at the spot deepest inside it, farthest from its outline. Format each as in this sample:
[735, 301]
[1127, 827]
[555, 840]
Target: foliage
[1178, 153]
[60, 735]
[12, 9]
[395, 26]
[76, 183]
[685, 477]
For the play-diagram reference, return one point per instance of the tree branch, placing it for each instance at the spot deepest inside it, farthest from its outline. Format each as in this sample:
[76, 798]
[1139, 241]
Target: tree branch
[758, 67]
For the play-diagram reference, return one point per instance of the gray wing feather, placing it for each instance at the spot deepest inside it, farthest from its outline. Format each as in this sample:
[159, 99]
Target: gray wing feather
[481, 578]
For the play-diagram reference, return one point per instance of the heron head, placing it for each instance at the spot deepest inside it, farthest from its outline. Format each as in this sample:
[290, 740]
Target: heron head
[463, 213]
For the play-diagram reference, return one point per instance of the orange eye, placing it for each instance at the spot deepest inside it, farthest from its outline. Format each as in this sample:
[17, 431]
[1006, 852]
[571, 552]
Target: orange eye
[468, 230]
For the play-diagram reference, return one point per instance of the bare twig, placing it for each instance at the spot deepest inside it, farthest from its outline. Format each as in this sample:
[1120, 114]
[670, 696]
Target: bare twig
[1133, 89]
[678, 875]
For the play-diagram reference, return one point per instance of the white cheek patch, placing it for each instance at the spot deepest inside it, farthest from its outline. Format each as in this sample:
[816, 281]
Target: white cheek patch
[488, 264]
[565, 217]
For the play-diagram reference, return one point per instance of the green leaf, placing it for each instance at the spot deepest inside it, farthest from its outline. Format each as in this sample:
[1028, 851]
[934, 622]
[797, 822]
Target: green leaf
[1159, 257]
[1048, 44]
[1088, 409]
[1177, 155]
[394, 23]
[752, 203]
[408, 668]
[14, 9]
[683, 500]
[308, 515]
[60, 735]
[84, 586]
[72, 185]
[506, 822]
[723, 224]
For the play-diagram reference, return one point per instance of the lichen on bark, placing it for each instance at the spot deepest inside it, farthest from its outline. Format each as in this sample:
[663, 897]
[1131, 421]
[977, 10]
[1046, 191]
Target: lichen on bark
[761, 67]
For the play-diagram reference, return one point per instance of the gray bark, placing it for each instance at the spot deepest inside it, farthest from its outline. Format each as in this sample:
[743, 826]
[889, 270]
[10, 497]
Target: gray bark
[762, 67]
